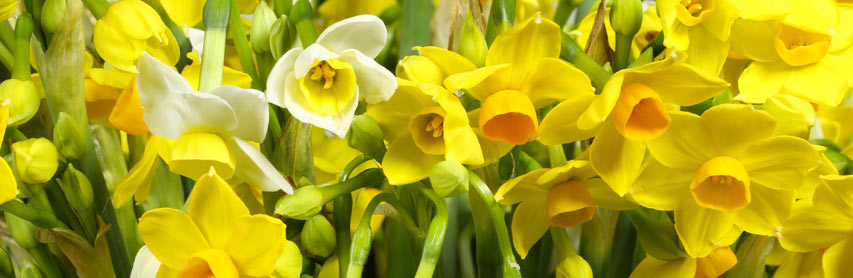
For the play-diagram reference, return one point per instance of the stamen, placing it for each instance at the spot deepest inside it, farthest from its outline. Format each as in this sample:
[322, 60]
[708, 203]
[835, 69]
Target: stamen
[694, 8]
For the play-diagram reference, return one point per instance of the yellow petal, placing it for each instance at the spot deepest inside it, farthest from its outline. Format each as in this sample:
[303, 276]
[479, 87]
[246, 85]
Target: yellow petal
[794, 116]
[185, 13]
[482, 82]
[836, 259]
[128, 114]
[603, 104]
[523, 46]
[210, 262]
[811, 228]
[450, 62]
[419, 69]
[736, 127]
[706, 51]
[651, 267]
[405, 163]
[569, 204]
[560, 125]
[461, 142]
[677, 83]
[766, 212]
[171, 236]
[719, 23]
[115, 48]
[780, 162]
[552, 80]
[822, 82]
[606, 198]
[616, 159]
[256, 244]
[138, 179]
[529, 224]
[660, 187]
[764, 9]
[9, 188]
[700, 229]
[755, 39]
[289, 264]
[214, 207]
[817, 15]
[686, 144]
[393, 115]
[760, 81]
[193, 154]
[492, 150]
[714, 265]
[361, 198]
[801, 265]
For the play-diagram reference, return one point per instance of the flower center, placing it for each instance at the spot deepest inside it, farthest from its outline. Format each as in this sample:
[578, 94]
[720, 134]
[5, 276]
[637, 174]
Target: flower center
[692, 12]
[436, 126]
[569, 204]
[639, 114]
[427, 128]
[209, 263]
[799, 47]
[324, 71]
[721, 183]
[508, 116]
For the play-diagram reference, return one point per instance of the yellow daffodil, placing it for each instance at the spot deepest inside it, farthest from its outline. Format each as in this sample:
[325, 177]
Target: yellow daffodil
[211, 129]
[723, 172]
[331, 156]
[715, 264]
[337, 10]
[629, 112]
[129, 28]
[137, 182]
[322, 84]
[558, 196]
[826, 222]
[649, 29]
[127, 114]
[216, 237]
[699, 27]
[804, 53]
[9, 188]
[522, 73]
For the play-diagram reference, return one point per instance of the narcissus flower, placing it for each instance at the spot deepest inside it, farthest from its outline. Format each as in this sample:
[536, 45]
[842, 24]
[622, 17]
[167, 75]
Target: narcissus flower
[723, 172]
[715, 264]
[322, 84]
[129, 28]
[211, 129]
[522, 73]
[629, 112]
[9, 187]
[805, 53]
[558, 196]
[699, 27]
[215, 237]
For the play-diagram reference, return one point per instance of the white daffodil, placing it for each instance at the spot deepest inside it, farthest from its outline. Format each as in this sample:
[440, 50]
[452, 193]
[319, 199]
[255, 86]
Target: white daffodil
[322, 84]
[211, 129]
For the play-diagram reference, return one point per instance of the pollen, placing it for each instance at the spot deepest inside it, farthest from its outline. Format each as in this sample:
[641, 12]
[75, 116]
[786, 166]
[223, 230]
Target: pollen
[324, 71]
[436, 125]
[693, 6]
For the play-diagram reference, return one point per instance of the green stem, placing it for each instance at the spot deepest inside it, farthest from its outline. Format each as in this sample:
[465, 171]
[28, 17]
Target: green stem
[7, 34]
[623, 52]
[43, 259]
[564, 10]
[556, 156]
[302, 16]
[366, 178]
[501, 18]
[283, 7]
[414, 24]
[238, 35]
[510, 266]
[363, 236]
[216, 14]
[23, 32]
[573, 53]
[435, 235]
[562, 243]
[98, 8]
[751, 252]
[343, 212]
[622, 252]
[6, 57]
[38, 217]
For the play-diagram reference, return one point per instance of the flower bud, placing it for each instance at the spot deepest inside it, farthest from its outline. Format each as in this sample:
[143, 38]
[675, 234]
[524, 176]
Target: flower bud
[261, 24]
[366, 136]
[305, 202]
[472, 44]
[23, 232]
[318, 236]
[77, 189]
[51, 14]
[24, 100]
[30, 270]
[282, 35]
[68, 136]
[449, 178]
[36, 160]
[626, 16]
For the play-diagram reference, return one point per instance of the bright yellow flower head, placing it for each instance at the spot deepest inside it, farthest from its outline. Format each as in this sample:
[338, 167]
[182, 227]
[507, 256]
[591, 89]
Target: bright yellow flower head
[129, 28]
[215, 237]
[826, 222]
[522, 73]
[699, 27]
[714, 265]
[629, 112]
[722, 172]
[805, 53]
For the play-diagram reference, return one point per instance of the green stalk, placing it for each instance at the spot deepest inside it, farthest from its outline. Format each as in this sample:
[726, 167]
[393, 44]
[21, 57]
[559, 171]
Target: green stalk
[213, 57]
[43, 259]
[623, 52]
[751, 252]
[282, 7]
[7, 34]
[23, 32]
[564, 10]
[293, 154]
[302, 16]
[414, 24]
[6, 57]
[562, 243]
[364, 179]
[177, 31]
[573, 53]
[363, 236]
[98, 8]
[501, 18]
[597, 240]
[496, 213]
[556, 155]
[343, 211]
[622, 252]
[238, 35]
[435, 235]
[38, 217]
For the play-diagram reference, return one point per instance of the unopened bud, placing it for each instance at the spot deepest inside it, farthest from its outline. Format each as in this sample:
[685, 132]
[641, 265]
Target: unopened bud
[626, 16]
[449, 178]
[77, 189]
[366, 136]
[419, 69]
[51, 14]
[282, 35]
[304, 203]
[261, 24]
[318, 236]
[68, 136]
[472, 44]
[36, 160]
[23, 232]
[23, 97]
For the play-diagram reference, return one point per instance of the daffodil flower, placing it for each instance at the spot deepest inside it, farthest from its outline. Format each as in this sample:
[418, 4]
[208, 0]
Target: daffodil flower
[714, 265]
[558, 196]
[699, 27]
[215, 237]
[629, 112]
[824, 224]
[128, 29]
[722, 173]
[9, 188]
[322, 84]
[522, 73]
[805, 53]
[211, 129]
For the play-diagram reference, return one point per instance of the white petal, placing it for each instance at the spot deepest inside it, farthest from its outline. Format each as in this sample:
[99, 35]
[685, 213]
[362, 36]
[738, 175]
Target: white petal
[250, 107]
[254, 168]
[157, 78]
[145, 265]
[365, 33]
[375, 82]
[307, 58]
[275, 82]
[295, 102]
[196, 37]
